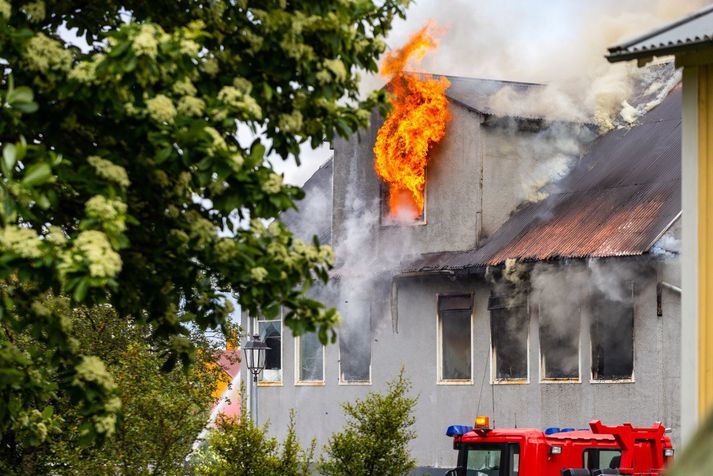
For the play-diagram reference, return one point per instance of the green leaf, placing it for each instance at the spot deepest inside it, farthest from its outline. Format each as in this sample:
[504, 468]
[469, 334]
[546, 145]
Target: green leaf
[27, 108]
[20, 95]
[9, 157]
[80, 292]
[37, 174]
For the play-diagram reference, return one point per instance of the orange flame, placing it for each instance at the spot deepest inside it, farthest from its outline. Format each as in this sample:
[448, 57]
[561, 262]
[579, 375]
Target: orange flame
[415, 123]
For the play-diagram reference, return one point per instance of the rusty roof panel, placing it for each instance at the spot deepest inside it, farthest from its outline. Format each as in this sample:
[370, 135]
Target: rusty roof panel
[623, 194]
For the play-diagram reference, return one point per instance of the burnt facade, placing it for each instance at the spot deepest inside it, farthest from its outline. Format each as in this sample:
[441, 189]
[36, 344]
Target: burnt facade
[538, 288]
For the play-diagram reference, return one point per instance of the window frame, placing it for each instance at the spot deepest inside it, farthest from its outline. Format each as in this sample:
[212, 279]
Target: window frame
[439, 342]
[632, 379]
[281, 382]
[493, 357]
[384, 194]
[340, 380]
[542, 367]
[298, 364]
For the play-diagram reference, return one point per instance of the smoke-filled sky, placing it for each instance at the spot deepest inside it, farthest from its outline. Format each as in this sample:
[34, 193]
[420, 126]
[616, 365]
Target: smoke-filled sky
[559, 42]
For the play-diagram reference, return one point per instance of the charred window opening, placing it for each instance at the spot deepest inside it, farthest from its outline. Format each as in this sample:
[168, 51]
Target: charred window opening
[271, 333]
[454, 340]
[559, 343]
[310, 363]
[509, 331]
[612, 334]
[355, 343]
[406, 210]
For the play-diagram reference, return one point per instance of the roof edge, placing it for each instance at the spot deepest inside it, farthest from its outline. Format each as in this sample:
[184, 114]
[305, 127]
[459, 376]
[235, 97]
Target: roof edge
[657, 31]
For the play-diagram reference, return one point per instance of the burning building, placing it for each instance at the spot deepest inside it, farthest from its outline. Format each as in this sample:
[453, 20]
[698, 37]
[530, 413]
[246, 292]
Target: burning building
[536, 280]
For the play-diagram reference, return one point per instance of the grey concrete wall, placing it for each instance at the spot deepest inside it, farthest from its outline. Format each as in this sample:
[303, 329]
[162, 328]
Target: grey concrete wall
[653, 395]
[453, 191]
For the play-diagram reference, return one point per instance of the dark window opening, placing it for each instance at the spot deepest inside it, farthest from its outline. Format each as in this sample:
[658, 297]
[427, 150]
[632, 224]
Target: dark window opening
[601, 459]
[559, 345]
[612, 332]
[271, 334]
[355, 343]
[454, 321]
[509, 330]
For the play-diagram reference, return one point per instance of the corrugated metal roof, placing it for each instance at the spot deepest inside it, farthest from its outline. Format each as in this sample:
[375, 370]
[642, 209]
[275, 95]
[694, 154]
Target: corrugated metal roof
[693, 31]
[617, 201]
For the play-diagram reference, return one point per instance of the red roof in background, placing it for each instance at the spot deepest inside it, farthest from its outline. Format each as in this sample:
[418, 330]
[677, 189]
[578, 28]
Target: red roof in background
[229, 360]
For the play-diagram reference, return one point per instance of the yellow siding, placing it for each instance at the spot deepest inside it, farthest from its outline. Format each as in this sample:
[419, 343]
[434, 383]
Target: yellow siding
[705, 237]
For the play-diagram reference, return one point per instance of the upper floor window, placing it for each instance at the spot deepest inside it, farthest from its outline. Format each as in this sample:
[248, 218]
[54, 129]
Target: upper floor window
[612, 336]
[271, 333]
[398, 207]
[509, 334]
[454, 338]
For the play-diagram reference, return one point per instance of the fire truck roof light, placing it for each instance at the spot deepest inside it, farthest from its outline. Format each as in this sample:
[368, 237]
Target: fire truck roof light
[482, 422]
[458, 430]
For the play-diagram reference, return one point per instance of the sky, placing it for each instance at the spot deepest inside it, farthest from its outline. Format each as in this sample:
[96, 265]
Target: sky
[553, 41]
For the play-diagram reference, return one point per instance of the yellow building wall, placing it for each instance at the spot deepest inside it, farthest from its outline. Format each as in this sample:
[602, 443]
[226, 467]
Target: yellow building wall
[705, 238]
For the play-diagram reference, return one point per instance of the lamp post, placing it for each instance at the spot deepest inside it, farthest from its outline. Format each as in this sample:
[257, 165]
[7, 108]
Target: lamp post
[254, 350]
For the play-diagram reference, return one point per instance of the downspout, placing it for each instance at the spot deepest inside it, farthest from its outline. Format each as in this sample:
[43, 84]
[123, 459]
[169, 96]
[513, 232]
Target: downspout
[395, 290]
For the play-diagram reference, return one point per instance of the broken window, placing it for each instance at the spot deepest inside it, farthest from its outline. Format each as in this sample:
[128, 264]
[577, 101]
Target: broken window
[509, 330]
[612, 336]
[398, 207]
[310, 355]
[454, 342]
[271, 333]
[559, 342]
[355, 343]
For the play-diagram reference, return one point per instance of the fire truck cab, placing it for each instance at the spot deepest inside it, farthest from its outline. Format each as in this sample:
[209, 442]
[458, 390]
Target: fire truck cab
[622, 449]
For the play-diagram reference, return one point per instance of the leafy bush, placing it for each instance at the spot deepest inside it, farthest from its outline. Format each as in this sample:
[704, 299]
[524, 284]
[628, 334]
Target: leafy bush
[376, 436]
[237, 447]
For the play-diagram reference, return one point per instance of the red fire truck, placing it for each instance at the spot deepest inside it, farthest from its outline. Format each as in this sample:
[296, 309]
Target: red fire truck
[599, 450]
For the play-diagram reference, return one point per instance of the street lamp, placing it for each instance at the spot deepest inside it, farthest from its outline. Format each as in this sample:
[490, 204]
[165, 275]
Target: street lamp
[254, 350]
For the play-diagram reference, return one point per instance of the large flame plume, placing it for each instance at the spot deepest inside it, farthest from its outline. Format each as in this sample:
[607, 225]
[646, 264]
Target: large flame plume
[415, 123]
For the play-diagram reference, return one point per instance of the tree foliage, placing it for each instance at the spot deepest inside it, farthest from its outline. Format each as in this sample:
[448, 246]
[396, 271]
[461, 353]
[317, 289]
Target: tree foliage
[161, 415]
[122, 179]
[376, 436]
[240, 448]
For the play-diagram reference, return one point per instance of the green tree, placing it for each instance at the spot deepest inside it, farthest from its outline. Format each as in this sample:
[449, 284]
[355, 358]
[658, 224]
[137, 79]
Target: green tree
[240, 448]
[162, 412]
[122, 179]
[376, 436]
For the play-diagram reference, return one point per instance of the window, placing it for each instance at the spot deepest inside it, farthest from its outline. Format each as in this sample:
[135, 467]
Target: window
[271, 333]
[310, 359]
[489, 459]
[612, 337]
[404, 202]
[559, 344]
[355, 343]
[595, 458]
[454, 338]
[509, 331]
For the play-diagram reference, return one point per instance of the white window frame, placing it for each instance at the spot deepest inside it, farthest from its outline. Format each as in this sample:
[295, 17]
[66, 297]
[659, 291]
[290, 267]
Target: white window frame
[298, 365]
[493, 357]
[633, 346]
[279, 383]
[550, 380]
[340, 376]
[439, 342]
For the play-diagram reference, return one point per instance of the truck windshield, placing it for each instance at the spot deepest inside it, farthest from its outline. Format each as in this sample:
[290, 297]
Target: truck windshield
[501, 459]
